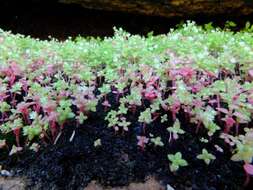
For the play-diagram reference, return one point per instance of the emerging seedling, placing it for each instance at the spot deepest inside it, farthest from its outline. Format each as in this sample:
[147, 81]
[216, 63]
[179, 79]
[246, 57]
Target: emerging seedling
[175, 131]
[157, 141]
[142, 141]
[176, 161]
[97, 143]
[206, 157]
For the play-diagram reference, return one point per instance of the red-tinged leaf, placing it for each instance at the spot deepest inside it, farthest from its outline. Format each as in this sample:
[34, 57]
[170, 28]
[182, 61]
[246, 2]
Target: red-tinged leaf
[248, 169]
[210, 74]
[150, 95]
[186, 72]
[250, 100]
[16, 131]
[223, 110]
[229, 122]
[106, 103]
[212, 102]
[250, 72]
[240, 115]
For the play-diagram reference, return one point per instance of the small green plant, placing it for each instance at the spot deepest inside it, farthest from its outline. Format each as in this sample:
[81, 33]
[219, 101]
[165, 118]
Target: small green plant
[64, 111]
[164, 118]
[112, 118]
[4, 107]
[81, 118]
[124, 124]
[157, 141]
[175, 130]
[176, 161]
[145, 116]
[244, 146]
[206, 157]
[97, 143]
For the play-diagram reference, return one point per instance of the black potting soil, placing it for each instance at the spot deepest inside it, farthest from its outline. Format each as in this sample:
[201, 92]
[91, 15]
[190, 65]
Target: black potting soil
[119, 161]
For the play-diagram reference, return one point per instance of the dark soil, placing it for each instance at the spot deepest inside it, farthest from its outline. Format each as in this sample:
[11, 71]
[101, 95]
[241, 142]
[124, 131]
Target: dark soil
[119, 161]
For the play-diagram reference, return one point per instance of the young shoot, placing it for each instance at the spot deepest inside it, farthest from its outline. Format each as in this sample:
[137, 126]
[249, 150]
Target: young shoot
[175, 130]
[176, 161]
[97, 143]
[164, 118]
[81, 118]
[157, 141]
[145, 116]
[206, 157]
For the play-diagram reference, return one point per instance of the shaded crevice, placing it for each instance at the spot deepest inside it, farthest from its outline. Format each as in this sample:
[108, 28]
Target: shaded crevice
[60, 21]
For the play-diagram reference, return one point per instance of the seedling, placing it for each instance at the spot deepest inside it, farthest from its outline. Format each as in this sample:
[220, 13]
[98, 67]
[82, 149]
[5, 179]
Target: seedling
[35, 147]
[142, 141]
[145, 118]
[4, 108]
[206, 157]
[15, 150]
[175, 130]
[157, 141]
[97, 143]
[176, 161]
[124, 124]
[81, 118]
[64, 112]
[164, 118]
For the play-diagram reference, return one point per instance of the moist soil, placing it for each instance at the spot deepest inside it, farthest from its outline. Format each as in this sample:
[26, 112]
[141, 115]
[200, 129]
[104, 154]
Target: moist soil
[119, 161]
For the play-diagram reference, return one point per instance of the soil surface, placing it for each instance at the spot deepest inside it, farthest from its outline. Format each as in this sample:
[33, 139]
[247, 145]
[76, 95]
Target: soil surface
[12, 184]
[149, 184]
[119, 161]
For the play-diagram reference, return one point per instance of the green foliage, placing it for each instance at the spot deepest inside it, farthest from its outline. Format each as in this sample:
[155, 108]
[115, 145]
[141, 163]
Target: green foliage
[205, 156]
[175, 130]
[4, 107]
[157, 141]
[244, 146]
[145, 116]
[204, 74]
[64, 111]
[176, 161]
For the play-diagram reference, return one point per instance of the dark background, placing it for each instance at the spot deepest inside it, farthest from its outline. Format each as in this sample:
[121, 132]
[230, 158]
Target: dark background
[41, 18]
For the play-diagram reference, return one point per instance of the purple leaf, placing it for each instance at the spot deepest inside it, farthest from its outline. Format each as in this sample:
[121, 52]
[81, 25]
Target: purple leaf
[248, 169]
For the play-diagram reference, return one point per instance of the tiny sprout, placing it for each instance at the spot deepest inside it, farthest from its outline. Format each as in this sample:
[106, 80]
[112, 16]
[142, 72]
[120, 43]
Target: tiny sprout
[157, 141]
[122, 109]
[218, 148]
[142, 141]
[97, 143]
[35, 147]
[203, 140]
[4, 107]
[105, 89]
[124, 124]
[145, 117]
[15, 150]
[81, 118]
[175, 130]
[206, 157]
[164, 118]
[2, 143]
[177, 161]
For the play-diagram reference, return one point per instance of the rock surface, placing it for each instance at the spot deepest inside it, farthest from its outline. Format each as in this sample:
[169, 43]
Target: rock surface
[150, 184]
[171, 8]
[12, 183]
